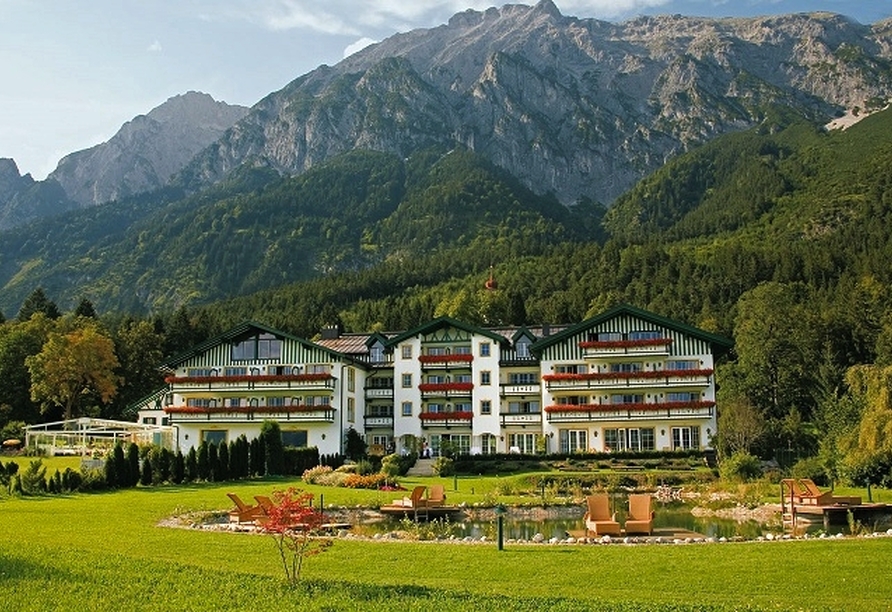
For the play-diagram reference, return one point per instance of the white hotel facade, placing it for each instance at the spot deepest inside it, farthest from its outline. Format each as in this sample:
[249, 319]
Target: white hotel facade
[625, 380]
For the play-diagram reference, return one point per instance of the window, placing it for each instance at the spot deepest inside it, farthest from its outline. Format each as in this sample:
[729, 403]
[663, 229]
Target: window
[463, 378]
[523, 378]
[463, 350]
[683, 364]
[235, 371]
[626, 367]
[610, 337]
[485, 377]
[485, 407]
[318, 368]
[524, 443]
[296, 438]
[682, 396]
[488, 444]
[351, 409]
[437, 379]
[633, 439]
[573, 440]
[275, 402]
[485, 349]
[407, 408]
[351, 379]
[571, 368]
[437, 350]
[201, 402]
[149, 420]
[685, 438]
[627, 398]
[645, 335]
[201, 372]
[531, 407]
[264, 346]
[463, 407]
[379, 411]
[435, 408]
[232, 402]
[407, 381]
[523, 348]
[214, 436]
[406, 351]
[376, 353]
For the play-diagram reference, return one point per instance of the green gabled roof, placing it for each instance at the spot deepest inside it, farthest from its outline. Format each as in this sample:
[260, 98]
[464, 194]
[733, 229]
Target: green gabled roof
[720, 343]
[240, 330]
[441, 322]
[132, 408]
[521, 332]
[376, 337]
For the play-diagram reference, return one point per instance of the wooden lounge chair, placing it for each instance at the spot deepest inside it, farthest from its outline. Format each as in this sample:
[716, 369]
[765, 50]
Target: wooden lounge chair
[415, 500]
[243, 513]
[436, 496]
[598, 518]
[641, 515]
[264, 503]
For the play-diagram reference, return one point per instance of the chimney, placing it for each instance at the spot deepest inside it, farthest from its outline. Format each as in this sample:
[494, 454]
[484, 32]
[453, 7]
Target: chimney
[331, 332]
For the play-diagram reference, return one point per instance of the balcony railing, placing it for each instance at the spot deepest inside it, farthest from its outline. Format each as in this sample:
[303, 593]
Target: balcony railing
[183, 384]
[181, 414]
[563, 413]
[644, 378]
[445, 419]
[608, 348]
[377, 421]
[378, 392]
[520, 418]
[434, 362]
[519, 389]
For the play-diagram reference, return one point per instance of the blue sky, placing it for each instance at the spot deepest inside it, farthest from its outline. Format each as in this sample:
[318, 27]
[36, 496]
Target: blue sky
[71, 73]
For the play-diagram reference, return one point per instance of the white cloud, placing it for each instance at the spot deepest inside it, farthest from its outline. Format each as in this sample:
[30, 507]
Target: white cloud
[359, 45]
[155, 47]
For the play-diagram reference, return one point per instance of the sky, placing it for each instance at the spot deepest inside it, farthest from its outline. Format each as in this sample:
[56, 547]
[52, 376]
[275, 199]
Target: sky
[73, 72]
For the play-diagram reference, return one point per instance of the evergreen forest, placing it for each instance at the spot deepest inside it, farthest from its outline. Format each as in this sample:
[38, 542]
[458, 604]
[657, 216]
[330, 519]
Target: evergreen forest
[779, 238]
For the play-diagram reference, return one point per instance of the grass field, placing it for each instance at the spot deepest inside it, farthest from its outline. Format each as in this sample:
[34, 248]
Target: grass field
[106, 552]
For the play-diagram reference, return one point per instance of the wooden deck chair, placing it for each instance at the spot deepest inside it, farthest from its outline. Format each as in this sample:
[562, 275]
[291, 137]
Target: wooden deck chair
[243, 513]
[264, 503]
[810, 494]
[641, 514]
[598, 518]
[436, 496]
[415, 500]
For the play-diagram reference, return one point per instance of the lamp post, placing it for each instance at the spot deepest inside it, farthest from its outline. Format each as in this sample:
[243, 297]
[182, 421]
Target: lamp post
[500, 515]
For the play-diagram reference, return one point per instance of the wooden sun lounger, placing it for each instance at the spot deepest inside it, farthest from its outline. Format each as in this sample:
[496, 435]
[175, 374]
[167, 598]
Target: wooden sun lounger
[243, 513]
[415, 500]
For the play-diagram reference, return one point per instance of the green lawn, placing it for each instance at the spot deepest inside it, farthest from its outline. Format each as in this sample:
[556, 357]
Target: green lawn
[105, 552]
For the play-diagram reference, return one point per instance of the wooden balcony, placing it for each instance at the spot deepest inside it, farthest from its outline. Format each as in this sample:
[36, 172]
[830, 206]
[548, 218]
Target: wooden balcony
[521, 419]
[446, 420]
[627, 380]
[193, 414]
[446, 362]
[300, 382]
[594, 349]
[507, 389]
[378, 393]
[377, 421]
[446, 390]
[575, 413]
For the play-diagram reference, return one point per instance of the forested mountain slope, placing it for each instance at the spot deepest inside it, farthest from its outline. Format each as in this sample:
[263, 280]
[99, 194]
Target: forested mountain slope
[258, 230]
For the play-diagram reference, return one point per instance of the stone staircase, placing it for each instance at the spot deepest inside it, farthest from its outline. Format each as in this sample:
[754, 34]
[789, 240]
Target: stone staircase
[422, 467]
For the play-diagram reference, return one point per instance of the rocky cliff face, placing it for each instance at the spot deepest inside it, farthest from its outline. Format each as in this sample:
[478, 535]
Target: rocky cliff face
[578, 107]
[147, 150]
[22, 199]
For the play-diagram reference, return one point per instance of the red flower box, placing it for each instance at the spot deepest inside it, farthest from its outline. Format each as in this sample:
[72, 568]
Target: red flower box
[456, 386]
[265, 378]
[627, 375]
[447, 416]
[655, 407]
[462, 358]
[624, 343]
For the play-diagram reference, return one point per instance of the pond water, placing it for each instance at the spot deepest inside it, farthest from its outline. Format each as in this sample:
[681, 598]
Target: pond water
[562, 521]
